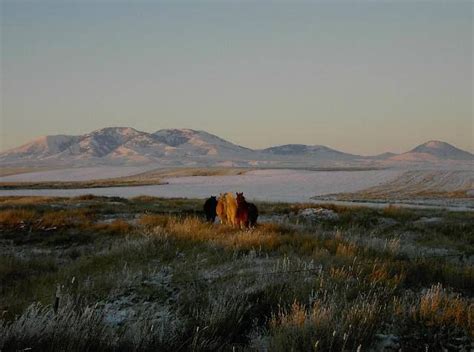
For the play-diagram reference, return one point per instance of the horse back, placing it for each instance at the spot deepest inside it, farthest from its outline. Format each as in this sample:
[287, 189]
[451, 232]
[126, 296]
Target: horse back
[220, 208]
[252, 214]
[230, 204]
[210, 206]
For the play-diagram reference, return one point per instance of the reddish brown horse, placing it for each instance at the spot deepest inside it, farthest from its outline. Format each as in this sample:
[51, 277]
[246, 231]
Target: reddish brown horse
[242, 214]
[247, 213]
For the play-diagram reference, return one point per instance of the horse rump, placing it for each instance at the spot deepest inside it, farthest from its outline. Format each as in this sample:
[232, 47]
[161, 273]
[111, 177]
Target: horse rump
[253, 214]
[209, 208]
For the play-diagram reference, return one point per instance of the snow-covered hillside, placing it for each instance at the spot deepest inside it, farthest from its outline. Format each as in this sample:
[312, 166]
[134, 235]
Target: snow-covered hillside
[185, 147]
[433, 151]
[192, 143]
[311, 151]
[117, 146]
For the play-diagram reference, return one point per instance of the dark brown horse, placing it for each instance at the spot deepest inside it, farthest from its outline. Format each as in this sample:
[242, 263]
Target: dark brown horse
[210, 209]
[242, 214]
[253, 214]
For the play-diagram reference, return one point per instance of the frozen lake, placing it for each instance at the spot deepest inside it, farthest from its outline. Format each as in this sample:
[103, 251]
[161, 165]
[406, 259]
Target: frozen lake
[264, 185]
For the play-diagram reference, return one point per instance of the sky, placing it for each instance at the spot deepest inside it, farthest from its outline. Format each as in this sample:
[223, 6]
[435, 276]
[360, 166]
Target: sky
[363, 77]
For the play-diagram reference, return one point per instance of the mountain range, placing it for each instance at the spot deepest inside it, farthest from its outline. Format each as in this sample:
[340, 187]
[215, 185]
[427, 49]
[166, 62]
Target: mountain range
[186, 147]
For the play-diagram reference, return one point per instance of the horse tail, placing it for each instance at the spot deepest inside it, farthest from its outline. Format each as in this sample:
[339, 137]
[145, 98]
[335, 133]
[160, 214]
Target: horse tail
[221, 210]
[253, 214]
[231, 208]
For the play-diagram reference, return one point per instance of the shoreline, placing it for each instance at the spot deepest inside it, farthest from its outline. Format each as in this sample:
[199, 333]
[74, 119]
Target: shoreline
[379, 204]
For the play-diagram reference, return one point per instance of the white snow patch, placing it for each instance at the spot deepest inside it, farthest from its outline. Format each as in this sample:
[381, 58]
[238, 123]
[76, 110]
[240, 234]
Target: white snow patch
[267, 185]
[315, 214]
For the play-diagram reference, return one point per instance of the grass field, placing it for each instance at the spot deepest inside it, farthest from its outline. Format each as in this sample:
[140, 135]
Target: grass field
[148, 274]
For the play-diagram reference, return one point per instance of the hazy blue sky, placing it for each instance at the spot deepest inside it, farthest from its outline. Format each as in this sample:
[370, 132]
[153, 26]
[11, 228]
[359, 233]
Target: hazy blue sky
[363, 77]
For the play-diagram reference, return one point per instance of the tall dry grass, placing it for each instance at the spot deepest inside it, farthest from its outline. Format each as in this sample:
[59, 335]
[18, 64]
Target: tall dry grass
[189, 285]
[16, 217]
[328, 324]
[439, 308]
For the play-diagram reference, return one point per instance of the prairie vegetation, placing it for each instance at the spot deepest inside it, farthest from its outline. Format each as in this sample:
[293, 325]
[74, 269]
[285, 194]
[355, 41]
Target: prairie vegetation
[111, 182]
[149, 274]
[148, 178]
[7, 171]
[193, 171]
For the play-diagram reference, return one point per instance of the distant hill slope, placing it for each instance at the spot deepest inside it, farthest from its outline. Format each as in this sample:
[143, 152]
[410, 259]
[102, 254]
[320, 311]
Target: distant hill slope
[186, 147]
[434, 151]
[310, 151]
[194, 142]
[107, 144]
